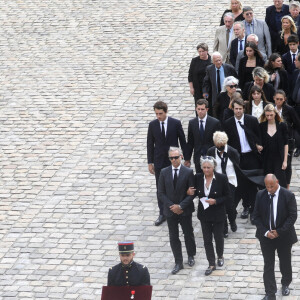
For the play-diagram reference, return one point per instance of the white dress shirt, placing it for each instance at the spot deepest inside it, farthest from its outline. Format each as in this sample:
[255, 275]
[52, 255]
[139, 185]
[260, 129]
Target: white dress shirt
[165, 125]
[230, 172]
[204, 121]
[245, 147]
[173, 170]
[257, 110]
[207, 190]
[275, 202]
[279, 111]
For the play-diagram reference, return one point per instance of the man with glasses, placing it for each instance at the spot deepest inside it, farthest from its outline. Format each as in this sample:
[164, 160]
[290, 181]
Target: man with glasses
[274, 13]
[258, 27]
[174, 181]
[200, 134]
[162, 133]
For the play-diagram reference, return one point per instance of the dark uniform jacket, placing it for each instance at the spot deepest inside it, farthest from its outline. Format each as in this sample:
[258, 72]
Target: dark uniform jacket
[134, 275]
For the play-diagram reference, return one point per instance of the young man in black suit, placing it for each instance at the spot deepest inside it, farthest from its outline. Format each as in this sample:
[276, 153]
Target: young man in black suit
[200, 134]
[163, 133]
[174, 181]
[274, 215]
[244, 135]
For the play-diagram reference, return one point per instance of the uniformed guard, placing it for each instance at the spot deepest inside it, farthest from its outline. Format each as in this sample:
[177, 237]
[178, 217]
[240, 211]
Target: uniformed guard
[128, 272]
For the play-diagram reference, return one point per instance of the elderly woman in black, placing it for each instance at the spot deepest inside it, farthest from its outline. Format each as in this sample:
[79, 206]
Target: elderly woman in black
[230, 85]
[291, 119]
[197, 71]
[213, 191]
[274, 136]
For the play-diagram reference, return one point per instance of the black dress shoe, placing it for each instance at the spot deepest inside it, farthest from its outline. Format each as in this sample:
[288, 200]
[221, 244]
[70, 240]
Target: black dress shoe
[209, 270]
[160, 220]
[285, 290]
[233, 226]
[269, 297]
[297, 152]
[245, 213]
[220, 262]
[177, 268]
[191, 261]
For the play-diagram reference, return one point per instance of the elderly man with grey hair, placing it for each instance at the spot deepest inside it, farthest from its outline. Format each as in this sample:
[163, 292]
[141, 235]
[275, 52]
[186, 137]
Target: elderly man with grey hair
[223, 37]
[294, 8]
[178, 206]
[237, 44]
[230, 86]
[250, 38]
[214, 78]
[228, 160]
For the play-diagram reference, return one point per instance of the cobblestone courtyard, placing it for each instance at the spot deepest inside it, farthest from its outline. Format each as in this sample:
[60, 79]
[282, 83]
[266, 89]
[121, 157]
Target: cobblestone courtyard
[77, 84]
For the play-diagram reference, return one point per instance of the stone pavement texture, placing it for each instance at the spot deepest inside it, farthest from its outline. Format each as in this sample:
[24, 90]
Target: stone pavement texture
[77, 84]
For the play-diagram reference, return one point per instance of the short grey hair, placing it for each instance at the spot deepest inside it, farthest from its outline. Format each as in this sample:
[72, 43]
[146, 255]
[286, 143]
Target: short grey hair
[220, 137]
[239, 23]
[253, 35]
[294, 4]
[228, 80]
[261, 73]
[171, 149]
[208, 159]
[228, 14]
[216, 53]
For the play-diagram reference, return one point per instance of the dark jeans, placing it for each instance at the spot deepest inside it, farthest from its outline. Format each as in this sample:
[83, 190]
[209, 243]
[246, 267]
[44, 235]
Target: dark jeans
[210, 229]
[268, 248]
[188, 232]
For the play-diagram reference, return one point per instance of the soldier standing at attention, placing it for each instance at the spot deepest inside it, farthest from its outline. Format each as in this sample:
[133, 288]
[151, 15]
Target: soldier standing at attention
[128, 272]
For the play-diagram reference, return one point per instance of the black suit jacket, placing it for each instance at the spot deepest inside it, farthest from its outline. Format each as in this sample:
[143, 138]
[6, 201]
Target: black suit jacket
[285, 219]
[252, 132]
[219, 191]
[234, 50]
[158, 147]
[195, 143]
[296, 86]
[169, 196]
[290, 117]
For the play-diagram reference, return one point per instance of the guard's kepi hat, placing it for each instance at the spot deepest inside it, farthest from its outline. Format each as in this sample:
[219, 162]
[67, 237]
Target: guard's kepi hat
[126, 247]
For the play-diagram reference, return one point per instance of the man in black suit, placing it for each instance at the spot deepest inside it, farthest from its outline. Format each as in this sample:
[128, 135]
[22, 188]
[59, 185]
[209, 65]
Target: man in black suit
[214, 78]
[238, 44]
[274, 215]
[244, 135]
[162, 133]
[274, 13]
[200, 134]
[174, 181]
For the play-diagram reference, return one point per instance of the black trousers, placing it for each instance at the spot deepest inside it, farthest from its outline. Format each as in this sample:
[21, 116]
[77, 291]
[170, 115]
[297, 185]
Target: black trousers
[210, 229]
[246, 189]
[268, 248]
[288, 170]
[188, 232]
[230, 208]
[159, 203]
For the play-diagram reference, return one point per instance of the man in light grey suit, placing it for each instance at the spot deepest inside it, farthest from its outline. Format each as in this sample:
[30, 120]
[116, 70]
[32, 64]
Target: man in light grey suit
[258, 27]
[223, 37]
[174, 181]
[214, 78]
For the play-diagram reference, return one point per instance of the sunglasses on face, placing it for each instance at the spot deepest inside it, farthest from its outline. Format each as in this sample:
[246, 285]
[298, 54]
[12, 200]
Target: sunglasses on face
[173, 157]
[249, 14]
[207, 158]
[233, 86]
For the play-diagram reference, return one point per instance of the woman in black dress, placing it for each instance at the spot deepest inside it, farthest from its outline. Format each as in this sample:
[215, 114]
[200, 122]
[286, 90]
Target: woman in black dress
[288, 28]
[274, 135]
[236, 8]
[230, 85]
[251, 60]
[197, 71]
[278, 75]
[261, 79]
[291, 119]
[256, 103]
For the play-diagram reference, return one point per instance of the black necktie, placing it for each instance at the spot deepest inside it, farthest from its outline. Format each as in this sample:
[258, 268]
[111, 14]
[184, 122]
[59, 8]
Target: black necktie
[163, 130]
[223, 163]
[175, 178]
[294, 56]
[241, 124]
[218, 81]
[201, 129]
[272, 223]
[241, 45]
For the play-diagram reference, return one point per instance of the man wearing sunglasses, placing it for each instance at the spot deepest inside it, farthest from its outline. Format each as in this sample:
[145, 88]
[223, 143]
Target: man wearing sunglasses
[173, 183]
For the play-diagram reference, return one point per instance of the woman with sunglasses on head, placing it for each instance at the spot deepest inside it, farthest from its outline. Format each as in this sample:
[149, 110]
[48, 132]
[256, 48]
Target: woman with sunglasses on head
[291, 119]
[274, 136]
[257, 102]
[213, 191]
[230, 85]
